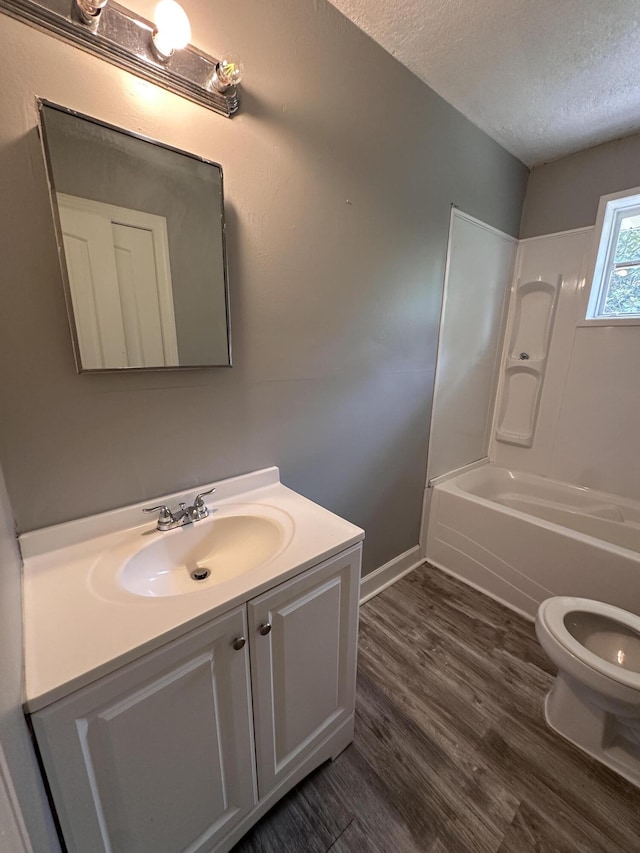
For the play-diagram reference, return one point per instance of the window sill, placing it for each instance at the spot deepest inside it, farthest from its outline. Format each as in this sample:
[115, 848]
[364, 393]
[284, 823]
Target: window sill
[610, 321]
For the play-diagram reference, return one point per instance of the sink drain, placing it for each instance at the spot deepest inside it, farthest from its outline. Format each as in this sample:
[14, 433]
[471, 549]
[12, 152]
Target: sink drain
[200, 574]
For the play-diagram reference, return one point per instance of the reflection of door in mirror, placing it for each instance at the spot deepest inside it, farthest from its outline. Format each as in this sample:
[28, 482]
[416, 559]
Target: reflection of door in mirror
[120, 282]
[143, 250]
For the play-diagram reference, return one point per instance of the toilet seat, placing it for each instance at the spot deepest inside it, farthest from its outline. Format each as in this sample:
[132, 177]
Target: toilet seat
[553, 612]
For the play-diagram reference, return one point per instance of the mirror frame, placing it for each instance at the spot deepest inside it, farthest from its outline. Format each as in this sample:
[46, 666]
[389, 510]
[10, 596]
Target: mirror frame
[43, 102]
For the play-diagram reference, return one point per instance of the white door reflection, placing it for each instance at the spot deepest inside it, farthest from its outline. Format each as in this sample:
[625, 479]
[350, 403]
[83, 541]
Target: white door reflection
[120, 283]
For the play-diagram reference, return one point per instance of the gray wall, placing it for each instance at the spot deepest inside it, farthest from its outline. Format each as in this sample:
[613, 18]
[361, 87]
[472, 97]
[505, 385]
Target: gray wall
[25, 821]
[339, 175]
[564, 194]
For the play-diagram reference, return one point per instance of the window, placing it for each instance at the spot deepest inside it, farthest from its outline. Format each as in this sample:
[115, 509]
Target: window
[615, 288]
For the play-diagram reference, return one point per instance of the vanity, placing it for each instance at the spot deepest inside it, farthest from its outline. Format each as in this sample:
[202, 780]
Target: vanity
[179, 683]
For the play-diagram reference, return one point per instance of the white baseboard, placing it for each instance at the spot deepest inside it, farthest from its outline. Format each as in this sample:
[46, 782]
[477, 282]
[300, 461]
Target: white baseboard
[383, 577]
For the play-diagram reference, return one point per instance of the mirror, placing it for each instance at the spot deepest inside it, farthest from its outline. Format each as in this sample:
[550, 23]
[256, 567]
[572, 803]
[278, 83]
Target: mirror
[141, 240]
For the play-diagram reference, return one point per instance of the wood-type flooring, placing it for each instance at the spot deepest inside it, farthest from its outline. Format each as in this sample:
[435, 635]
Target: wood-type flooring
[451, 752]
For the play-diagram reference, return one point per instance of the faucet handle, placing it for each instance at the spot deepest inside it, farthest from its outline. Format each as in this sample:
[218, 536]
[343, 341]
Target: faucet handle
[200, 506]
[198, 502]
[165, 513]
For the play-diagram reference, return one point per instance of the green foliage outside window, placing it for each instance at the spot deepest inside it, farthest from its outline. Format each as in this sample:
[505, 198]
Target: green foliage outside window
[623, 293]
[628, 246]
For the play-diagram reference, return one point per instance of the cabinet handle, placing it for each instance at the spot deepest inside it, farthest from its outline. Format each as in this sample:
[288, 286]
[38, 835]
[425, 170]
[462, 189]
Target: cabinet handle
[238, 643]
[264, 628]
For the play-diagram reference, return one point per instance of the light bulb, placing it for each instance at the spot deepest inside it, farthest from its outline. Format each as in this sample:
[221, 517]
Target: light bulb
[228, 73]
[173, 30]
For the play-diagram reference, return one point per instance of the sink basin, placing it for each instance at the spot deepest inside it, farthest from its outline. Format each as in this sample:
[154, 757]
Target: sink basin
[198, 556]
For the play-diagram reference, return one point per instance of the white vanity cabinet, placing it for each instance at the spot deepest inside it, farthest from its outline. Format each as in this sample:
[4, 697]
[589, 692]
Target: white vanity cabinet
[160, 757]
[157, 756]
[303, 635]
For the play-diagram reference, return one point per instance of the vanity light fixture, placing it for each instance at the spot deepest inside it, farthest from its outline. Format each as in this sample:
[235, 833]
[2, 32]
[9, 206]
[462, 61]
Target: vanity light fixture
[158, 52]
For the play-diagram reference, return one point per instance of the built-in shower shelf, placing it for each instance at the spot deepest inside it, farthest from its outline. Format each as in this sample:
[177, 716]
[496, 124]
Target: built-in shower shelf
[516, 438]
[525, 360]
[531, 364]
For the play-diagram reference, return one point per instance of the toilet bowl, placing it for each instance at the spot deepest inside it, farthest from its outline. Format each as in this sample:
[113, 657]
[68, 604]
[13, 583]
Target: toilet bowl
[595, 699]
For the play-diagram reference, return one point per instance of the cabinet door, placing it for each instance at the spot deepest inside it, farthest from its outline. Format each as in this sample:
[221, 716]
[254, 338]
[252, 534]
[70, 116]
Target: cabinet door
[158, 757]
[303, 666]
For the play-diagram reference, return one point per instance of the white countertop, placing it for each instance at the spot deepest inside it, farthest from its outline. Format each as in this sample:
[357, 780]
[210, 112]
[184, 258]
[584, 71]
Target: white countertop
[81, 624]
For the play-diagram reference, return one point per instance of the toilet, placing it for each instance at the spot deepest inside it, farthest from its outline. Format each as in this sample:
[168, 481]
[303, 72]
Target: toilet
[595, 699]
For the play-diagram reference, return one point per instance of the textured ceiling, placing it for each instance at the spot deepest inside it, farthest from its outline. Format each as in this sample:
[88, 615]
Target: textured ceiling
[544, 78]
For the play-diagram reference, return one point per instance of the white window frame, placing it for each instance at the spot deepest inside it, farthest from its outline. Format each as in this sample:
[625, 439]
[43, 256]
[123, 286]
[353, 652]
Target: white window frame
[611, 210]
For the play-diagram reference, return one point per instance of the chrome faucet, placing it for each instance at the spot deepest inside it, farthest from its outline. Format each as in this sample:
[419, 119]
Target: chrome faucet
[167, 520]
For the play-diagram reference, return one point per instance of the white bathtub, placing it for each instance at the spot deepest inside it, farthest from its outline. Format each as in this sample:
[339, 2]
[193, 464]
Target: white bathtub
[522, 538]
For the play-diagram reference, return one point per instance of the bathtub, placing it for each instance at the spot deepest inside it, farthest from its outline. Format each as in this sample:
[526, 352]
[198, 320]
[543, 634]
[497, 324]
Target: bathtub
[522, 538]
